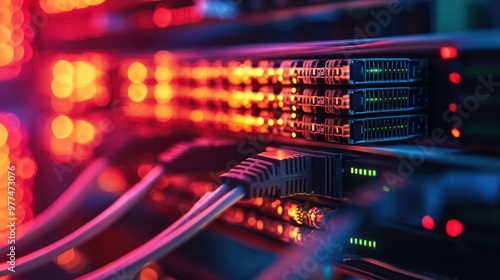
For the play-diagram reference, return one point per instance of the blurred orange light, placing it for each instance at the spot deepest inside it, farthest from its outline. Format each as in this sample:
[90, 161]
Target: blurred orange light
[112, 180]
[5, 34]
[163, 93]
[62, 127]
[4, 134]
[84, 132]
[6, 54]
[62, 89]
[86, 92]
[260, 225]
[63, 71]
[455, 132]
[59, 6]
[137, 72]
[280, 229]
[162, 112]
[137, 92]
[84, 72]
[196, 115]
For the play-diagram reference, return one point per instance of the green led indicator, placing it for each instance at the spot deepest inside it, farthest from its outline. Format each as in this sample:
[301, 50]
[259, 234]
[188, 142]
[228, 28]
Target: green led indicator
[364, 172]
[363, 242]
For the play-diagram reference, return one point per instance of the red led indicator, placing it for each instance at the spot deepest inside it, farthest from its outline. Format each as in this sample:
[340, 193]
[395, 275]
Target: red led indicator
[455, 78]
[162, 17]
[448, 52]
[428, 223]
[454, 228]
[453, 107]
[455, 133]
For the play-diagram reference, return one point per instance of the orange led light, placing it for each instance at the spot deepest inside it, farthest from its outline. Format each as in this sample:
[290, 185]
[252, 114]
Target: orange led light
[260, 225]
[455, 133]
[137, 72]
[62, 127]
[60, 6]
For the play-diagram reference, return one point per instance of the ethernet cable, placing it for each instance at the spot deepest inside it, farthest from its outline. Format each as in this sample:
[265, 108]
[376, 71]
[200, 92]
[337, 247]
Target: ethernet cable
[167, 241]
[63, 206]
[182, 152]
[69, 200]
[275, 172]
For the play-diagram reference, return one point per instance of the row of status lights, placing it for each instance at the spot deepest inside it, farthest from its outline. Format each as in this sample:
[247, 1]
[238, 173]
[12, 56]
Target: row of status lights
[147, 90]
[72, 139]
[13, 151]
[79, 82]
[15, 38]
[60, 6]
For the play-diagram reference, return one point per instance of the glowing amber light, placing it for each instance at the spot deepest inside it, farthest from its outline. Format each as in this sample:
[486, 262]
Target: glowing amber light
[62, 89]
[163, 93]
[163, 74]
[6, 54]
[5, 34]
[137, 92]
[84, 132]
[4, 134]
[84, 72]
[112, 180]
[137, 72]
[197, 116]
[62, 127]
[63, 71]
[162, 112]
[455, 132]
[260, 225]
[280, 229]
[279, 210]
[59, 6]
[86, 92]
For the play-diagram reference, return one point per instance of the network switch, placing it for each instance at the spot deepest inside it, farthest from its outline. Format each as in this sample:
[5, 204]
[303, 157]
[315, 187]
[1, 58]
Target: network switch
[306, 72]
[309, 100]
